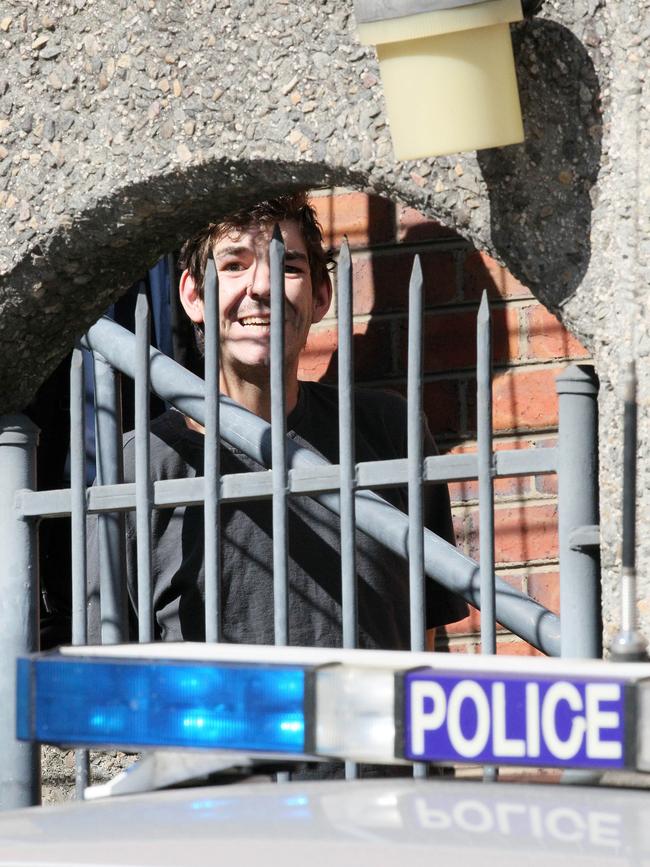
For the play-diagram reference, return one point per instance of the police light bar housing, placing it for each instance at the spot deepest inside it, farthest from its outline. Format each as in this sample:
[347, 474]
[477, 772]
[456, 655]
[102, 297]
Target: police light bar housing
[320, 703]
[146, 703]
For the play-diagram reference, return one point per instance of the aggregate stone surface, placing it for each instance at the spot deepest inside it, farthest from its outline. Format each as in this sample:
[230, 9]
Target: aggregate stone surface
[126, 124]
[58, 770]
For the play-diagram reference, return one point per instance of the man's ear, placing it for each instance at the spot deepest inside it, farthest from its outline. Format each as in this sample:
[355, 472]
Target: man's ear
[322, 299]
[190, 299]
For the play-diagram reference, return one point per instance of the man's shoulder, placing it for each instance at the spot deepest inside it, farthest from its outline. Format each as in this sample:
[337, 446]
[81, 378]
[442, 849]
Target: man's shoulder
[379, 415]
[368, 400]
[175, 448]
[167, 427]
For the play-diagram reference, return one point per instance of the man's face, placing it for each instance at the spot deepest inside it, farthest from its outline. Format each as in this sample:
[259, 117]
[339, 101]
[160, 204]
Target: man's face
[243, 268]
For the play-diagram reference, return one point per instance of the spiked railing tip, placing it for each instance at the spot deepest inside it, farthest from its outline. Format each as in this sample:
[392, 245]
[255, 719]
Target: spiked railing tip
[484, 307]
[344, 255]
[210, 275]
[142, 304]
[416, 271]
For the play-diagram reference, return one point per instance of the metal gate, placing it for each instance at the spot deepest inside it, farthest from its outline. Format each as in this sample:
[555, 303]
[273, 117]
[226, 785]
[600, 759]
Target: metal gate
[348, 489]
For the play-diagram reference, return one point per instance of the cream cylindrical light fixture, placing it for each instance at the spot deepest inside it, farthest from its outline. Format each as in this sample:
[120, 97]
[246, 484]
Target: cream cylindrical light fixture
[448, 72]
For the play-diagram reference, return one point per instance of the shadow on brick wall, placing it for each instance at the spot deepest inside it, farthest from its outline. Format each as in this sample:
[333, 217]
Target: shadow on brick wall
[455, 276]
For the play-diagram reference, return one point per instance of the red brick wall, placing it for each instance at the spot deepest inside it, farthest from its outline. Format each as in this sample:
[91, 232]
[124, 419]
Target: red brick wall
[530, 348]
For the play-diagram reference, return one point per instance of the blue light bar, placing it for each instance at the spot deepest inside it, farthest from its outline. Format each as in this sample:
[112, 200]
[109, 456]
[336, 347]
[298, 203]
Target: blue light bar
[143, 703]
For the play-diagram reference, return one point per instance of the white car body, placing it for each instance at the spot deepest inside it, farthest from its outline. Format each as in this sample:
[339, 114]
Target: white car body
[320, 824]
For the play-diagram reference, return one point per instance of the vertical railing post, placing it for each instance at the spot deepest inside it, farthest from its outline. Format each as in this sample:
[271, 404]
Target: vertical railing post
[79, 571]
[110, 527]
[143, 484]
[485, 476]
[415, 453]
[347, 463]
[212, 458]
[20, 762]
[279, 443]
[581, 627]
[415, 449]
[349, 601]
[485, 456]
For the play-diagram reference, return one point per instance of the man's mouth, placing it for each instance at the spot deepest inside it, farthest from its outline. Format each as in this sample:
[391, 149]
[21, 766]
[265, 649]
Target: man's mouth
[252, 321]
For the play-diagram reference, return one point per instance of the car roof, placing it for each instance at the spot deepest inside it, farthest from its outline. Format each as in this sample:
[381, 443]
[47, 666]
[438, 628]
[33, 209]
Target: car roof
[385, 822]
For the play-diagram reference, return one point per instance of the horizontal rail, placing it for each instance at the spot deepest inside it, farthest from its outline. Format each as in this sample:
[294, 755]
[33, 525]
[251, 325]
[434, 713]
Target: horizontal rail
[305, 480]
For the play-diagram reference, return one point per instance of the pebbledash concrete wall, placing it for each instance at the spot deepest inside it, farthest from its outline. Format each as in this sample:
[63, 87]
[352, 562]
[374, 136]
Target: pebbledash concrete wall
[125, 124]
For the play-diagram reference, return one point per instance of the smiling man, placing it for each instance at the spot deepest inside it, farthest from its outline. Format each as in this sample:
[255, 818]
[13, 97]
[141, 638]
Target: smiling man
[240, 247]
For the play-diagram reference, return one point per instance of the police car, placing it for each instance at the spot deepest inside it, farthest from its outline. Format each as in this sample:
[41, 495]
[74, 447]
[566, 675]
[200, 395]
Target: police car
[234, 711]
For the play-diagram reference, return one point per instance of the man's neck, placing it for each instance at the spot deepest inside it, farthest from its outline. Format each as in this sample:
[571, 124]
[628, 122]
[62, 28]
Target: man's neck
[257, 397]
[254, 397]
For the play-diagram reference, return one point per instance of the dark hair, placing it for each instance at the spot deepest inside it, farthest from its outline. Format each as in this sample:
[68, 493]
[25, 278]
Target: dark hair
[293, 206]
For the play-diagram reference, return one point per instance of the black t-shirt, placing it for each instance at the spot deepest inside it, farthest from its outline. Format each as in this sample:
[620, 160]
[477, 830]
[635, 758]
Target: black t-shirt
[314, 563]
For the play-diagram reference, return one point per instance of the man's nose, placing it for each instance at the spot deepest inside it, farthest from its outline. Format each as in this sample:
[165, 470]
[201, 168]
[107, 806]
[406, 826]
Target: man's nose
[260, 286]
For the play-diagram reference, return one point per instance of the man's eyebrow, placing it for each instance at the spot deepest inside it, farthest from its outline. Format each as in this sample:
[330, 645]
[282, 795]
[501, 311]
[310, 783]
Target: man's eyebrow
[238, 249]
[296, 254]
[233, 250]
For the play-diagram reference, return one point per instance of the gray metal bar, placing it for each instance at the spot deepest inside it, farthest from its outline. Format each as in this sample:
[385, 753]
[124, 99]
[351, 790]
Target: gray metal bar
[378, 519]
[211, 468]
[415, 449]
[110, 527]
[78, 499]
[527, 462]
[415, 459]
[485, 475]
[143, 486]
[486, 488]
[20, 765]
[279, 442]
[577, 388]
[346, 449]
[302, 480]
[349, 603]
[78, 532]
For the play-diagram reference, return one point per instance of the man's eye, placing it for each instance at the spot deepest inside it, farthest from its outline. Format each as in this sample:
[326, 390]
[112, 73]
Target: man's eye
[232, 266]
[293, 269]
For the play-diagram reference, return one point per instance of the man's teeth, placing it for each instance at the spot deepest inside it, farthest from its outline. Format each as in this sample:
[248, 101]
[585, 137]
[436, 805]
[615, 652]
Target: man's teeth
[255, 320]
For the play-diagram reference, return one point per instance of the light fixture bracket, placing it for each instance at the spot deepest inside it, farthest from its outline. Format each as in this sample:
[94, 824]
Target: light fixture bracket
[382, 10]
[447, 71]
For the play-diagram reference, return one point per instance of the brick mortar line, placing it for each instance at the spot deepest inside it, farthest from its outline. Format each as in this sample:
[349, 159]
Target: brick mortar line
[453, 440]
[385, 248]
[502, 506]
[502, 632]
[452, 308]
[506, 438]
[505, 568]
[454, 639]
[524, 571]
[465, 374]
[528, 498]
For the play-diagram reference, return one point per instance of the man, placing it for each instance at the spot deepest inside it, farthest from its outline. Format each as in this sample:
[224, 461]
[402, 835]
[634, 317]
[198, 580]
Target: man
[239, 245]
